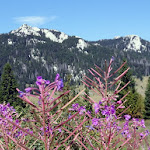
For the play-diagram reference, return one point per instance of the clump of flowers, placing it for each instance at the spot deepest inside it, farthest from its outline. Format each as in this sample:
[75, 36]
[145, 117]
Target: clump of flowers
[49, 127]
[44, 126]
[11, 129]
[107, 129]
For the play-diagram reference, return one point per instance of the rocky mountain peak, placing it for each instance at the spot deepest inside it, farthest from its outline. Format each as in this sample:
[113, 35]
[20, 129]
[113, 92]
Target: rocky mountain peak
[53, 35]
[127, 43]
[25, 30]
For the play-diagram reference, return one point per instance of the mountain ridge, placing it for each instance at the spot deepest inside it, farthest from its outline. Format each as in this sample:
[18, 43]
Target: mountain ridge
[33, 51]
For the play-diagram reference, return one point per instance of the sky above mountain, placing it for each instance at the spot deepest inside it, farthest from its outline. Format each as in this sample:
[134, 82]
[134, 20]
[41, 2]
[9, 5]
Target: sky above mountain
[91, 20]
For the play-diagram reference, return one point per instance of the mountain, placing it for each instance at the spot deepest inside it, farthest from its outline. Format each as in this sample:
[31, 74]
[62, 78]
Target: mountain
[127, 43]
[33, 51]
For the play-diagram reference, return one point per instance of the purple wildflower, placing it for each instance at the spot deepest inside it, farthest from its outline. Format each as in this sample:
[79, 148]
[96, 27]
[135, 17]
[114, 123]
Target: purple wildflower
[112, 109]
[89, 112]
[141, 134]
[126, 124]
[39, 102]
[96, 107]
[126, 133]
[47, 82]
[39, 81]
[100, 102]
[81, 110]
[29, 132]
[39, 77]
[17, 121]
[118, 128]
[57, 77]
[127, 117]
[60, 84]
[95, 121]
[59, 130]
[8, 104]
[75, 106]
[28, 89]
[109, 110]
[143, 123]
[19, 133]
[147, 132]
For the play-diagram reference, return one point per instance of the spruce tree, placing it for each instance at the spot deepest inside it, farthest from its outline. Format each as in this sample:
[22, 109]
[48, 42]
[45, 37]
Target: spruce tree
[134, 99]
[67, 87]
[147, 101]
[126, 78]
[8, 85]
[87, 103]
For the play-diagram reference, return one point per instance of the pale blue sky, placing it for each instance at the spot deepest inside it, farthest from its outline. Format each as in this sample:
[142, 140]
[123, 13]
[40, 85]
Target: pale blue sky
[88, 19]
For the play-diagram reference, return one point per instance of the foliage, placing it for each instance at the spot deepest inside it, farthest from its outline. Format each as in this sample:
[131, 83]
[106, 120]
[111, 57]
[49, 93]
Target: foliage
[8, 85]
[147, 100]
[66, 87]
[136, 103]
[87, 103]
[134, 99]
[78, 128]
[127, 78]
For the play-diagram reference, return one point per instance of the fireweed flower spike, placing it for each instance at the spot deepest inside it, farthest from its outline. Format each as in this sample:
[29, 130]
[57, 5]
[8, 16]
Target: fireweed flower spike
[105, 120]
[45, 122]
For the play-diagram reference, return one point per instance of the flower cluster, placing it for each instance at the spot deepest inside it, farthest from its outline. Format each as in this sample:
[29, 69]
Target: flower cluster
[9, 122]
[59, 82]
[41, 81]
[8, 112]
[77, 107]
[106, 122]
[48, 124]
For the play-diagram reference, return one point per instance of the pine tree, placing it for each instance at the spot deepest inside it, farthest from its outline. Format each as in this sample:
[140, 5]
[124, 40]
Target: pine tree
[67, 87]
[87, 103]
[126, 78]
[134, 99]
[147, 101]
[8, 85]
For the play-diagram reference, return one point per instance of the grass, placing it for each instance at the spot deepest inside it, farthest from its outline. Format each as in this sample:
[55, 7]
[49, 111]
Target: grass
[141, 85]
